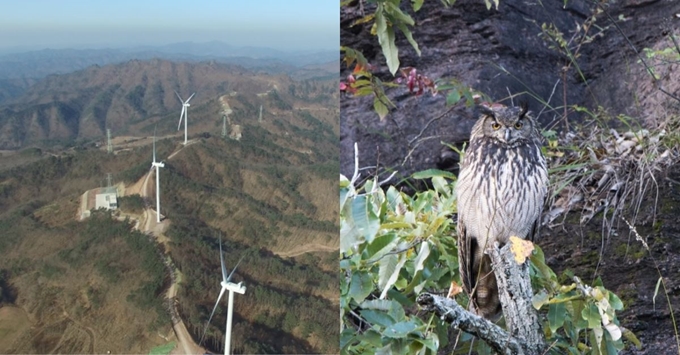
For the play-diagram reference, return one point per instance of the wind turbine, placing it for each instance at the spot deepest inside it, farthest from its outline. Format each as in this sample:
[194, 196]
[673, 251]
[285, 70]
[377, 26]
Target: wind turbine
[185, 109]
[155, 164]
[231, 287]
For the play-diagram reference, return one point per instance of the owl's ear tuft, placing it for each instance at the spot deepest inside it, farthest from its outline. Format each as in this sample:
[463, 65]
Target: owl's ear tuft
[524, 107]
[486, 110]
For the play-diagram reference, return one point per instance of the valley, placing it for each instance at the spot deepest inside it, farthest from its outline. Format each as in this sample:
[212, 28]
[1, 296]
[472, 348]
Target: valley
[271, 196]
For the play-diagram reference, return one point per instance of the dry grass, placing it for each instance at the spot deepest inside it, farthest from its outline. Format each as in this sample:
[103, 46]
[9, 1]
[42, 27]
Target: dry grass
[13, 323]
[602, 170]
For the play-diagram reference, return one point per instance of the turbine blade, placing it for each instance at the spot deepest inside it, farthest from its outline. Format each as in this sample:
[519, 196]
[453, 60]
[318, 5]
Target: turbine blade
[181, 115]
[224, 269]
[232, 271]
[211, 315]
[154, 144]
[192, 95]
[180, 99]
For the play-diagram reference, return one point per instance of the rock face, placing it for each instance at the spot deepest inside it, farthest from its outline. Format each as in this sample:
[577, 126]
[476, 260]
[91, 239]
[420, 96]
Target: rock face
[501, 53]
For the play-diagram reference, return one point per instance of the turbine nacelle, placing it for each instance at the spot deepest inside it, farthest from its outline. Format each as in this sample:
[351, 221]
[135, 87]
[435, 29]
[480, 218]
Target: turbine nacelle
[238, 288]
[184, 114]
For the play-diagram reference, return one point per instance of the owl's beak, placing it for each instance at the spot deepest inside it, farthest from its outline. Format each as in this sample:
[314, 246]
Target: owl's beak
[507, 134]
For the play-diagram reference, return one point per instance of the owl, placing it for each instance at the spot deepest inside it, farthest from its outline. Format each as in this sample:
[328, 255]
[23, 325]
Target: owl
[501, 188]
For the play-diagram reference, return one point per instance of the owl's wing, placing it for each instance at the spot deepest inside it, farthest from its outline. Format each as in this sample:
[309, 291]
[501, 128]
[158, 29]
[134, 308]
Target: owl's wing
[465, 258]
[535, 228]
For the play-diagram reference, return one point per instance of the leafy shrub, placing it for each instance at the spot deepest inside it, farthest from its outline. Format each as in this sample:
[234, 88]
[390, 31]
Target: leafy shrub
[394, 246]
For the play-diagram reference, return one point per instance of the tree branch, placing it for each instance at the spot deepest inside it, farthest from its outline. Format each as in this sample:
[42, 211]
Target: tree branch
[514, 288]
[514, 291]
[451, 312]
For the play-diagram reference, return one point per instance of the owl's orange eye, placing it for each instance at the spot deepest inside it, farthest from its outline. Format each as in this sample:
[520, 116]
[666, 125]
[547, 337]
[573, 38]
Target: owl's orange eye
[518, 125]
[496, 126]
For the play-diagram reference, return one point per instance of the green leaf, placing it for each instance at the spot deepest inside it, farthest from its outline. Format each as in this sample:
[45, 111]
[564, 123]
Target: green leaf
[400, 330]
[592, 315]
[423, 253]
[630, 336]
[389, 271]
[538, 260]
[399, 300]
[539, 299]
[599, 334]
[377, 317]
[593, 344]
[419, 265]
[398, 15]
[387, 266]
[615, 301]
[393, 198]
[441, 185]
[577, 315]
[417, 4]
[396, 225]
[365, 220]
[385, 350]
[430, 173]
[364, 91]
[380, 246]
[360, 286]
[396, 309]
[347, 337]
[452, 98]
[348, 237]
[380, 108]
[346, 190]
[382, 305]
[430, 342]
[409, 37]
[371, 337]
[385, 34]
[556, 313]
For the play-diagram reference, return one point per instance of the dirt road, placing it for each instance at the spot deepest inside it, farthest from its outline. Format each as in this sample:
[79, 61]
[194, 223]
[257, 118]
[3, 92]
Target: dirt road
[306, 248]
[185, 344]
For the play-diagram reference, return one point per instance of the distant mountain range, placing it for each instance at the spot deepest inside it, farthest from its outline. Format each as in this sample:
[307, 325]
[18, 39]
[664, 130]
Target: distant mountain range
[132, 96]
[40, 63]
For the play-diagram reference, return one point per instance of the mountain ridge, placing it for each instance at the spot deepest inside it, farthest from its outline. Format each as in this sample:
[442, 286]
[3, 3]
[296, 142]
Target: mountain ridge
[37, 64]
[129, 97]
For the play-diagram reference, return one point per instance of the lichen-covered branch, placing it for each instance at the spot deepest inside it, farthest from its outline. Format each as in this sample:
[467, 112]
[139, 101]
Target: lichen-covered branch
[514, 286]
[514, 291]
[451, 312]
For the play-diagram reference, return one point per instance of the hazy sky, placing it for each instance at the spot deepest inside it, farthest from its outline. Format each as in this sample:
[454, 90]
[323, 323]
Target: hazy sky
[281, 24]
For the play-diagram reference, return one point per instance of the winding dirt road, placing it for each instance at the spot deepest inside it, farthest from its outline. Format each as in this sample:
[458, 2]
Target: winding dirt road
[184, 340]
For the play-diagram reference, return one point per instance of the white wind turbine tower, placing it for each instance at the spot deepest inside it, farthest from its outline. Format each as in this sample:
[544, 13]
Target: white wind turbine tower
[155, 164]
[185, 109]
[231, 287]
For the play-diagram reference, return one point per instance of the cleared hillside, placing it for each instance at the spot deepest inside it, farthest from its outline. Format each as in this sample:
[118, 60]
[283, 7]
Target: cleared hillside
[272, 192]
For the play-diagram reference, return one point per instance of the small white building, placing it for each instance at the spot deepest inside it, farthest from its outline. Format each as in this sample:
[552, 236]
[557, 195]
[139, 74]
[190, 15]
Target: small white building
[235, 132]
[107, 198]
